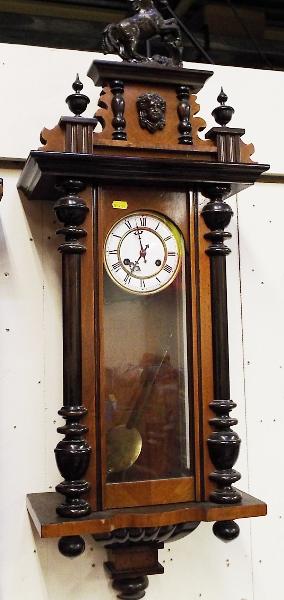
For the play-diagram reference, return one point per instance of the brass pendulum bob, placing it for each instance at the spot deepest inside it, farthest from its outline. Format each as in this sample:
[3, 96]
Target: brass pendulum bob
[124, 442]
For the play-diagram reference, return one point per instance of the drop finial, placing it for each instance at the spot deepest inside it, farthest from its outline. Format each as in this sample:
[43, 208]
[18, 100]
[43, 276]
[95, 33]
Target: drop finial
[223, 113]
[77, 102]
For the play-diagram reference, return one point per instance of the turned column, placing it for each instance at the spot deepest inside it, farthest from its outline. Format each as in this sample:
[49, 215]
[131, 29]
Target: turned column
[73, 452]
[223, 442]
[184, 127]
[118, 109]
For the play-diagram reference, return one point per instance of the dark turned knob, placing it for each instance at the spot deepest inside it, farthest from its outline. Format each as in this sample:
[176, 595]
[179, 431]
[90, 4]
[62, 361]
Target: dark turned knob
[71, 546]
[223, 113]
[217, 214]
[77, 102]
[131, 588]
[227, 531]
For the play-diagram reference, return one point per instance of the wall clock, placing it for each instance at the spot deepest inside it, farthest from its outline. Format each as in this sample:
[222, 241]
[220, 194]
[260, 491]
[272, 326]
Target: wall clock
[148, 448]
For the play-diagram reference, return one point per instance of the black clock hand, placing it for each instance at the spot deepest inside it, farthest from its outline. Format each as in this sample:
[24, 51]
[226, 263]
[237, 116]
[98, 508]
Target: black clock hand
[143, 250]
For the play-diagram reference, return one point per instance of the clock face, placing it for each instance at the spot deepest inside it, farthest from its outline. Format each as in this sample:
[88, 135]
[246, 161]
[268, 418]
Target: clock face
[143, 253]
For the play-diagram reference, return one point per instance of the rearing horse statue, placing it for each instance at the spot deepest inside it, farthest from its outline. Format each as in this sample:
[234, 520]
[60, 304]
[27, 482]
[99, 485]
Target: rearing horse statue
[123, 38]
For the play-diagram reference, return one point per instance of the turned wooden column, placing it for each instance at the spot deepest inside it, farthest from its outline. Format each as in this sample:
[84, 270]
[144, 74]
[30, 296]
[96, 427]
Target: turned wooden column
[223, 443]
[118, 109]
[185, 129]
[73, 452]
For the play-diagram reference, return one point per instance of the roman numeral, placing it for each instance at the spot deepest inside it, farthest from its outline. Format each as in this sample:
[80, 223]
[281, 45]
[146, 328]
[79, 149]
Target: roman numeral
[112, 251]
[142, 284]
[143, 221]
[171, 253]
[157, 226]
[168, 268]
[168, 238]
[116, 266]
[158, 279]
[127, 279]
[128, 224]
[117, 236]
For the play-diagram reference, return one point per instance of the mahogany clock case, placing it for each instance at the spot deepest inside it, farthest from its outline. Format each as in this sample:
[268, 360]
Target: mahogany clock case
[147, 444]
[184, 472]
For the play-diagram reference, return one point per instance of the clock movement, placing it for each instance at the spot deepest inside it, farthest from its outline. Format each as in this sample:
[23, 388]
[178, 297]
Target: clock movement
[148, 448]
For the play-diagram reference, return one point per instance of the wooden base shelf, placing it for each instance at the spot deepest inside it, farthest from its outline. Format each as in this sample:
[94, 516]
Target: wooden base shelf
[42, 510]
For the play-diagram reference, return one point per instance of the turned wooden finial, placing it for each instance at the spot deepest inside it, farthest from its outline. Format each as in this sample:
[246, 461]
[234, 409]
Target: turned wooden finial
[223, 113]
[71, 546]
[77, 102]
[227, 531]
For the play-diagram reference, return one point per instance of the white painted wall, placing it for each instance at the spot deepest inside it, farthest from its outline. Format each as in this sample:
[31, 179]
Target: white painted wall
[34, 84]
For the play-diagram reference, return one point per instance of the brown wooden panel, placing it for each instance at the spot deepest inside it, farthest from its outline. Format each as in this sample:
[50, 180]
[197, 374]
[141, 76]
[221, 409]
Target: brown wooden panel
[195, 300]
[88, 355]
[166, 138]
[206, 356]
[139, 493]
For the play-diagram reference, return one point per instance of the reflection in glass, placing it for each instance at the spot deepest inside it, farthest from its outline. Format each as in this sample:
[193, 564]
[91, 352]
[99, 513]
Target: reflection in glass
[146, 382]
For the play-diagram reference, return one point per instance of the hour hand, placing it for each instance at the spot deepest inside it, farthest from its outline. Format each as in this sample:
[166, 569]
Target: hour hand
[143, 252]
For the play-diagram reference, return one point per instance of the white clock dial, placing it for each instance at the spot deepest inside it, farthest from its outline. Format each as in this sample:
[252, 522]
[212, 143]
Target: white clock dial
[142, 253]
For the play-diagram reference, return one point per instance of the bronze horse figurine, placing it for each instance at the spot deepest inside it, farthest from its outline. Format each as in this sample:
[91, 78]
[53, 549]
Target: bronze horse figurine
[123, 38]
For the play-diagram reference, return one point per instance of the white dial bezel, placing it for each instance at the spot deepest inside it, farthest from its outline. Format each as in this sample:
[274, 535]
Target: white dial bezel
[175, 233]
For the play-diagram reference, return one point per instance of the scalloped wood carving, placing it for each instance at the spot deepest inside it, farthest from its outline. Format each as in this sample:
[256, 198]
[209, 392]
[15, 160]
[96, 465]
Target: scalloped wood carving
[246, 151]
[198, 124]
[53, 140]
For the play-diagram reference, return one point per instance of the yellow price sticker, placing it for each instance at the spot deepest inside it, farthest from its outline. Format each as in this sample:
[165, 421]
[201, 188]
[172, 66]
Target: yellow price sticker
[120, 204]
